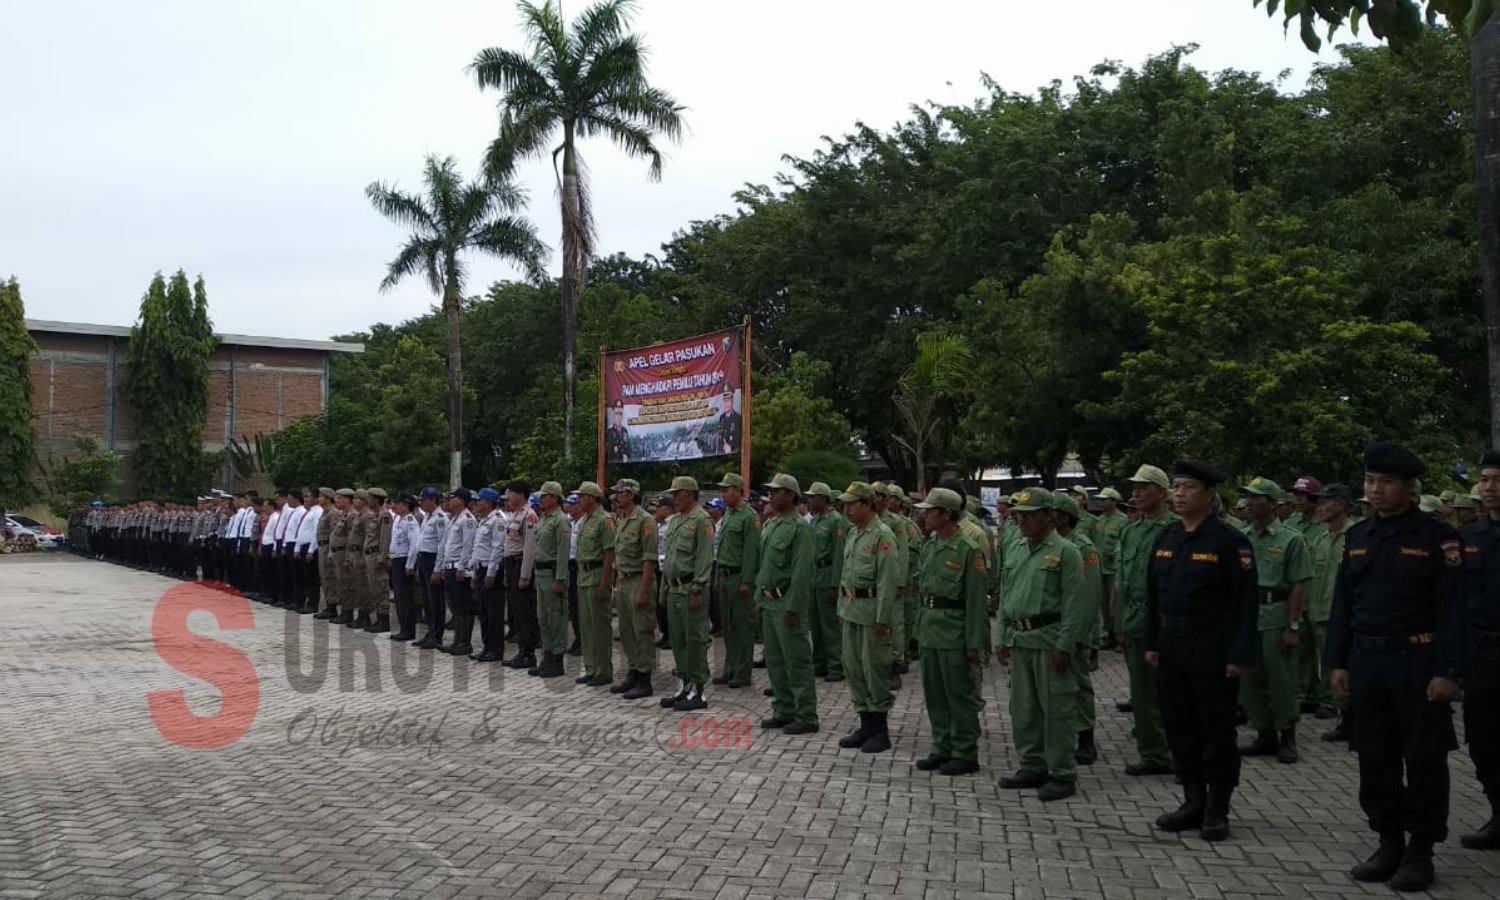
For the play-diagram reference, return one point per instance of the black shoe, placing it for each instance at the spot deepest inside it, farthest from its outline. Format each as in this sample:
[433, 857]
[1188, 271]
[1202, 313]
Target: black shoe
[524, 660]
[1265, 744]
[683, 689]
[426, 643]
[958, 767]
[642, 689]
[1087, 751]
[360, 621]
[858, 736]
[759, 664]
[1216, 813]
[331, 612]
[403, 636]
[1142, 769]
[583, 679]
[1190, 814]
[552, 666]
[1022, 780]
[774, 723]
[721, 679]
[1287, 751]
[1125, 706]
[1486, 838]
[382, 625]
[929, 763]
[625, 685]
[1384, 862]
[1339, 733]
[306, 610]
[737, 684]
[1308, 706]
[1326, 714]
[879, 740]
[487, 656]
[600, 681]
[798, 728]
[833, 679]
[693, 701]
[768, 692]
[458, 649]
[1416, 872]
[1056, 790]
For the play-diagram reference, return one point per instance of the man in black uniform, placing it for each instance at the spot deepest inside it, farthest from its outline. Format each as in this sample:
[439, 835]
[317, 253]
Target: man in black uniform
[1396, 642]
[1200, 635]
[617, 439]
[1481, 540]
[730, 424]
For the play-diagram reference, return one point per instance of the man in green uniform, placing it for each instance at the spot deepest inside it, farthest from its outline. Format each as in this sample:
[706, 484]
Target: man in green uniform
[1106, 537]
[869, 601]
[1307, 521]
[553, 535]
[739, 560]
[377, 562]
[1043, 618]
[356, 586]
[783, 588]
[951, 632]
[905, 642]
[338, 546]
[896, 641]
[1283, 567]
[829, 528]
[1086, 519]
[1148, 492]
[1068, 522]
[596, 560]
[635, 583]
[686, 575]
[1335, 504]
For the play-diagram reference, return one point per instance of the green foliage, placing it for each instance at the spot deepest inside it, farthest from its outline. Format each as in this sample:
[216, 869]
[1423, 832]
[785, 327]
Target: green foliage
[791, 413]
[1399, 22]
[833, 468]
[166, 384]
[17, 438]
[81, 479]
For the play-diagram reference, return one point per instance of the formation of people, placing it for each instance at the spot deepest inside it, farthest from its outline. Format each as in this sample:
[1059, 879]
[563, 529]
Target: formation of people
[1292, 603]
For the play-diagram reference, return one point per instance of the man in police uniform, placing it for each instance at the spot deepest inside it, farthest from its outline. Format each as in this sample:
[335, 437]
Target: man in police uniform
[869, 601]
[1396, 647]
[951, 632]
[336, 588]
[453, 568]
[1200, 635]
[617, 438]
[829, 529]
[731, 425]
[738, 563]
[1148, 491]
[1482, 686]
[688, 570]
[1283, 565]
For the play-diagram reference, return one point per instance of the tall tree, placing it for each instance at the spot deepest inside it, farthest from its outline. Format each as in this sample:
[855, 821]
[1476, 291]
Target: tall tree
[166, 382]
[587, 79]
[17, 439]
[454, 218]
[1402, 23]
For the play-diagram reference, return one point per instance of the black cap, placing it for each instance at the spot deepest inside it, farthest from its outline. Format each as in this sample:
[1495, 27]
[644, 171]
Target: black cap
[1197, 470]
[462, 494]
[1393, 459]
[1340, 492]
[1490, 460]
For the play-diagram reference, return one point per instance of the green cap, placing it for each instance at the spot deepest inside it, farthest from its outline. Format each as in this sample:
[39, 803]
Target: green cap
[1110, 494]
[1080, 490]
[626, 485]
[1448, 496]
[894, 490]
[1474, 492]
[1430, 503]
[972, 505]
[330, 493]
[859, 490]
[1066, 505]
[732, 481]
[1463, 501]
[1033, 499]
[346, 492]
[378, 493]
[362, 494]
[590, 489]
[1152, 475]
[553, 488]
[783, 482]
[1263, 487]
[819, 489]
[942, 498]
[685, 483]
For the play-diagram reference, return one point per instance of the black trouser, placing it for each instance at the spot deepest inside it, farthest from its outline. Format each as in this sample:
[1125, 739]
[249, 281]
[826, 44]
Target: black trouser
[1198, 707]
[1396, 731]
[436, 615]
[1481, 719]
[491, 603]
[520, 604]
[462, 604]
[402, 588]
[573, 598]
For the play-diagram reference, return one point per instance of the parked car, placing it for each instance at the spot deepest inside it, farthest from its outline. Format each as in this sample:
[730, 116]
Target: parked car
[34, 525]
[15, 531]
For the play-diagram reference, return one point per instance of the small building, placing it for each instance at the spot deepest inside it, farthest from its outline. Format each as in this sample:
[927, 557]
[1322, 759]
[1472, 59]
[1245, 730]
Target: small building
[257, 385]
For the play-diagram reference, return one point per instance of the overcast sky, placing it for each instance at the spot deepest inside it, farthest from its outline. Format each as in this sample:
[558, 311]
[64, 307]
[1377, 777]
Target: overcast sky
[235, 139]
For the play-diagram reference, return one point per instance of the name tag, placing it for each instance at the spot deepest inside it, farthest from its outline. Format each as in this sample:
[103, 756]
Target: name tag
[1471, 551]
[1164, 554]
[1356, 554]
[1206, 557]
[1415, 552]
[1276, 551]
[952, 565]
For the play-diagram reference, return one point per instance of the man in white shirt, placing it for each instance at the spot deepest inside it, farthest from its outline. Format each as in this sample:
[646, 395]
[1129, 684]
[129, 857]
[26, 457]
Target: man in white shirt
[305, 551]
[265, 557]
[278, 586]
[453, 568]
[429, 582]
[484, 563]
[286, 550]
[405, 536]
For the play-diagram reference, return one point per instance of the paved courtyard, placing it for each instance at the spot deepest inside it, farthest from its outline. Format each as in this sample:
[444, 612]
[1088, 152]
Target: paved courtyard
[456, 779]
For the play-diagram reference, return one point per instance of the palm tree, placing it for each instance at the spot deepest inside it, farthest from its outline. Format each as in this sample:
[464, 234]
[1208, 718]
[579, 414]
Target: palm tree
[940, 372]
[587, 79]
[450, 219]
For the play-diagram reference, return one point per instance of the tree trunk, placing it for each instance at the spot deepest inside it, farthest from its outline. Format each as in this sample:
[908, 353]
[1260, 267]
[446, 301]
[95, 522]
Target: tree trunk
[575, 265]
[452, 312]
[1485, 83]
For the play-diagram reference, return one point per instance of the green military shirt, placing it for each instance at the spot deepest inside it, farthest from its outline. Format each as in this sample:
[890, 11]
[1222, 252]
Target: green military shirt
[1093, 584]
[971, 530]
[1044, 578]
[872, 563]
[951, 591]
[596, 537]
[897, 525]
[372, 534]
[1327, 555]
[1087, 522]
[1106, 538]
[1137, 540]
[359, 529]
[1310, 528]
[829, 531]
[553, 534]
[690, 551]
[635, 542]
[784, 582]
[1282, 559]
[739, 541]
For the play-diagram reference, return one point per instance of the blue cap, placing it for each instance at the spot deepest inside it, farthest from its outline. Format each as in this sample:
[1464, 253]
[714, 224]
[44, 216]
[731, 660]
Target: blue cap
[97, 504]
[535, 500]
[489, 494]
[716, 503]
[431, 494]
[572, 500]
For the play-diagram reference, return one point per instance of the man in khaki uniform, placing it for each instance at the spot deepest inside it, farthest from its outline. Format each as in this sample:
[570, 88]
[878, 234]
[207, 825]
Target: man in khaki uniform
[377, 563]
[634, 593]
[738, 561]
[328, 498]
[355, 582]
[783, 590]
[553, 536]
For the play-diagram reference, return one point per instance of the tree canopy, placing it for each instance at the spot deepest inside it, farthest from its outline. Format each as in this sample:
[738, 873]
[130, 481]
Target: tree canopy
[166, 383]
[17, 439]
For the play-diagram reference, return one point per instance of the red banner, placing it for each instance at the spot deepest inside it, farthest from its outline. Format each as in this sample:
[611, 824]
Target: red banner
[675, 401]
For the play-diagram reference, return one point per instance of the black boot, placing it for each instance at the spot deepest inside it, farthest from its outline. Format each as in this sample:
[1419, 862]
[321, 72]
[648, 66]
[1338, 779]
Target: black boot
[879, 740]
[1416, 872]
[524, 659]
[1189, 814]
[1263, 745]
[360, 621]
[382, 625]
[1486, 838]
[332, 612]
[575, 648]
[1340, 731]
[694, 700]
[1287, 752]
[625, 685]
[858, 736]
[1087, 751]
[1384, 862]
[552, 666]
[683, 689]
[345, 618]
[1216, 813]
[306, 609]
[642, 689]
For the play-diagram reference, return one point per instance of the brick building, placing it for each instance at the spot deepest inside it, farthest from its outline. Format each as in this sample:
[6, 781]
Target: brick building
[256, 386]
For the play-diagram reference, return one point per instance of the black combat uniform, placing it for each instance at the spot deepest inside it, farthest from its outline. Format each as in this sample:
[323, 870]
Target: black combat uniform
[1481, 540]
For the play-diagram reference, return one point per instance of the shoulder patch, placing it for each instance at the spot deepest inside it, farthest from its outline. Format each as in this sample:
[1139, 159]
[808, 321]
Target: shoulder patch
[886, 546]
[1450, 553]
[1092, 559]
[979, 564]
[1247, 559]
[610, 523]
[755, 523]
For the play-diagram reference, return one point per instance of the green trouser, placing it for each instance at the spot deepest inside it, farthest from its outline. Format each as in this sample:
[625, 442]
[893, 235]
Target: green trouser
[1150, 737]
[1317, 689]
[828, 651]
[1269, 692]
[738, 628]
[378, 579]
[328, 580]
[789, 663]
[867, 667]
[552, 613]
[350, 583]
[909, 624]
[952, 697]
[637, 625]
[689, 633]
[1084, 665]
[593, 624]
[1043, 713]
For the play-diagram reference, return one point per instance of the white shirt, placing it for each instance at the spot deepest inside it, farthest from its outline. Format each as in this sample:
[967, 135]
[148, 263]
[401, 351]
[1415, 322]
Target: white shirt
[404, 535]
[307, 531]
[284, 522]
[573, 538]
[268, 537]
[243, 523]
[433, 528]
[458, 542]
[488, 542]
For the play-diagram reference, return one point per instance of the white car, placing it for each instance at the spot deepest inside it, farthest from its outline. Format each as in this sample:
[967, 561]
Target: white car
[16, 531]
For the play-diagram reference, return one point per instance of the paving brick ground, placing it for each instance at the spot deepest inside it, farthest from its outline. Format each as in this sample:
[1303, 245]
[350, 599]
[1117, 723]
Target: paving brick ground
[485, 783]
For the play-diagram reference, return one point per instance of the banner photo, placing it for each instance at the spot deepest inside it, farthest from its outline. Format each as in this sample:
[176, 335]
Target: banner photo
[675, 401]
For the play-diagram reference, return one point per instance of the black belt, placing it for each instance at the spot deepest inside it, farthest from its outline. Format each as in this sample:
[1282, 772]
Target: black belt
[1190, 624]
[860, 593]
[1035, 622]
[588, 566]
[823, 564]
[1390, 644]
[546, 567]
[730, 570]
[679, 585]
[322, 543]
[943, 603]
[772, 593]
[1273, 597]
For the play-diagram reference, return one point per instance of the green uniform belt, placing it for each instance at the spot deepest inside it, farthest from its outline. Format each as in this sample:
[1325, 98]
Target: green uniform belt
[859, 593]
[729, 570]
[676, 584]
[1273, 597]
[588, 566]
[1035, 622]
[772, 593]
[546, 566]
[942, 603]
[621, 574]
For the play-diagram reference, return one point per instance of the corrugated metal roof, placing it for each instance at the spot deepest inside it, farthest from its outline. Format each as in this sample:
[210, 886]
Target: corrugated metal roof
[237, 340]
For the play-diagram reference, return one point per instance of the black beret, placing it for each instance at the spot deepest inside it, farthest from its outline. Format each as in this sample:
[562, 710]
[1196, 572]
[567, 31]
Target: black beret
[1490, 460]
[1198, 470]
[1393, 459]
[1340, 492]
